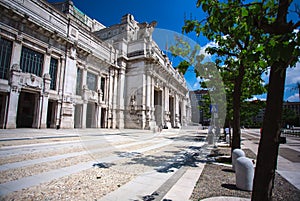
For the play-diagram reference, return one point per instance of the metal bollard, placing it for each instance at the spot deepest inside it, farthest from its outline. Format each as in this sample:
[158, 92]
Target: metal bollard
[244, 173]
[235, 155]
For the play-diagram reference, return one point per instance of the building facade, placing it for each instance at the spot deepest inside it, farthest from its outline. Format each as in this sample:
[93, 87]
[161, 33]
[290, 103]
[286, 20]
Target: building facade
[61, 69]
[197, 104]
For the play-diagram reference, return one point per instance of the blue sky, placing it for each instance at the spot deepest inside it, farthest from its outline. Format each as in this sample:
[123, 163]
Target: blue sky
[169, 15]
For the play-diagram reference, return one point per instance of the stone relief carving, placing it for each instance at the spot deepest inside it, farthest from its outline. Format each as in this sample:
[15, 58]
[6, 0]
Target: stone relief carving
[146, 30]
[47, 81]
[31, 80]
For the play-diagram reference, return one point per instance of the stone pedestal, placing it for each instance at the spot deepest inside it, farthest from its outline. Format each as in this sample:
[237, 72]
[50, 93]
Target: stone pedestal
[244, 173]
[235, 155]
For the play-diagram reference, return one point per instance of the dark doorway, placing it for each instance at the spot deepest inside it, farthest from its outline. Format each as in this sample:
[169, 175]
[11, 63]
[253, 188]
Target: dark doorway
[78, 116]
[2, 109]
[103, 117]
[26, 107]
[90, 115]
[180, 120]
[171, 108]
[51, 114]
[158, 107]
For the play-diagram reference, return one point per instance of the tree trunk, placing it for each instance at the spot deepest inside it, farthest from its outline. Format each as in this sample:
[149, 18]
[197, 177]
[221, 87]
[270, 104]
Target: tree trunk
[269, 141]
[237, 93]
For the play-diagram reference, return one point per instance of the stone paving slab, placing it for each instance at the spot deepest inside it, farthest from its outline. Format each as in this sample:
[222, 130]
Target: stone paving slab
[35, 180]
[290, 154]
[185, 184]
[292, 176]
[141, 186]
[226, 199]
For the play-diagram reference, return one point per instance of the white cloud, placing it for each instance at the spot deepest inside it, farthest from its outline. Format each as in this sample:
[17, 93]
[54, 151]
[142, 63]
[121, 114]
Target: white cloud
[293, 98]
[202, 50]
[196, 86]
[293, 75]
[258, 97]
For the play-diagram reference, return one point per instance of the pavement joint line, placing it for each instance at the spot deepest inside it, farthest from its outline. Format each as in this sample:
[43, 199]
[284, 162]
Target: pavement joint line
[163, 188]
[35, 180]
[37, 138]
[167, 185]
[37, 145]
[64, 156]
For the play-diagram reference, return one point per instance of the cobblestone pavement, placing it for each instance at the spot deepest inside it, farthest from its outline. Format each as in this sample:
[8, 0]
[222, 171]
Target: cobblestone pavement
[89, 164]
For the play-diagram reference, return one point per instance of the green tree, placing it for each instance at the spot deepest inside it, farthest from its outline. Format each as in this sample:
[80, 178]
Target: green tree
[208, 71]
[260, 33]
[289, 117]
[239, 53]
[281, 51]
[249, 110]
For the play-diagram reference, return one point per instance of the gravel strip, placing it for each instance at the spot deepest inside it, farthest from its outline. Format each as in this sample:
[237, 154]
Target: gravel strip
[23, 157]
[17, 173]
[35, 141]
[219, 180]
[90, 184]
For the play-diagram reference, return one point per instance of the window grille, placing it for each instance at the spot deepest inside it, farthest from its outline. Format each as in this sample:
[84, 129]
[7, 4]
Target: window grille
[31, 61]
[53, 72]
[5, 56]
[91, 81]
[79, 81]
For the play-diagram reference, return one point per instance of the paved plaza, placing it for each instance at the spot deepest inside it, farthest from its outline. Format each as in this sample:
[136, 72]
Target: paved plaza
[110, 164]
[103, 164]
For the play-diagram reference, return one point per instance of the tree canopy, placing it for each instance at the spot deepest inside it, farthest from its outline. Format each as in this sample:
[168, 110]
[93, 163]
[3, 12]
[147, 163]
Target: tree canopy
[250, 37]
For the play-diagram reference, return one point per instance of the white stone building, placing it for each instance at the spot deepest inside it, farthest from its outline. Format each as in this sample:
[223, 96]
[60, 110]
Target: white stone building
[61, 69]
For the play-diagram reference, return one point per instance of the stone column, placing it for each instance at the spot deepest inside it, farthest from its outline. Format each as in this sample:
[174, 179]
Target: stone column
[115, 96]
[58, 114]
[152, 107]
[84, 97]
[46, 88]
[98, 104]
[47, 59]
[84, 110]
[183, 112]
[121, 97]
[37, 115]
[98, 116]
[110, 98]
[12, 109]
[61, 72]
[148, 98]
[69, 88]
[44, 101]
[167, 120]
[16, 52]
[177, 121]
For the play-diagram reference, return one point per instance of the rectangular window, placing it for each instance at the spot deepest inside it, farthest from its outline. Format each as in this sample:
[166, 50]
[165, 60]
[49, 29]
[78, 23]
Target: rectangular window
[91, 81]
[53, 72]
[5, 56]
[79, 81]
[31, 61]
[103, 87]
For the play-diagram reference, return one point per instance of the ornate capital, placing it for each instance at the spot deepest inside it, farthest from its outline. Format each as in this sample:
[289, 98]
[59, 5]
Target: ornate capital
[15, 67]
[47, 76]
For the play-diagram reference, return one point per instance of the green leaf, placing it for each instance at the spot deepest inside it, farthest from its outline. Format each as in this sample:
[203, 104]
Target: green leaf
[245, 12]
